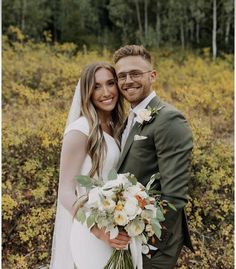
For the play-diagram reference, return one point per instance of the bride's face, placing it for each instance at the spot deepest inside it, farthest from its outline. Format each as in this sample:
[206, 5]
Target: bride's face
[105, 93]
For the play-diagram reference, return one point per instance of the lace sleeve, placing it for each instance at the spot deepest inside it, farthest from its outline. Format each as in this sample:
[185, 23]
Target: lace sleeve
[72, 158]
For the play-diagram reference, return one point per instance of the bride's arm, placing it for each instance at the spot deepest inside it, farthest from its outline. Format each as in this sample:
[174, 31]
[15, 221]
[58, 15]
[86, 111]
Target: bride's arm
[73, 154]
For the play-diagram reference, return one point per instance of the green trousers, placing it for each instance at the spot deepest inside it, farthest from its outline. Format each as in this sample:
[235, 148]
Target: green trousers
[163, 260]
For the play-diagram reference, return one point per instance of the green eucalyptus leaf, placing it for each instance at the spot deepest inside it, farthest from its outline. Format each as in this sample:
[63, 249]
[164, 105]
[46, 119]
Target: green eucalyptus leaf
[90, 221]
[156, 227]
[80, 216]
[171, 206]
[132, 179]
[159, 214]
[85, 181]
[112, 174]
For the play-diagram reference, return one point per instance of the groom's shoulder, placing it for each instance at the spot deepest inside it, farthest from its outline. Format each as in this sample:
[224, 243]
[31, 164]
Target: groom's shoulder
[170, 109]
[166, 110]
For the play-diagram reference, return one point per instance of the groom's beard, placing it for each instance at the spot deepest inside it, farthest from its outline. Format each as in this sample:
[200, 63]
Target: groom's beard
[131, 91]
[134, 92]
[131, 85]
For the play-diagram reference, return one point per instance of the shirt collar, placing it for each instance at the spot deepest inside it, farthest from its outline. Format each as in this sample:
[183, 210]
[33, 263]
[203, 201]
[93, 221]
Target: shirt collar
[144, 103]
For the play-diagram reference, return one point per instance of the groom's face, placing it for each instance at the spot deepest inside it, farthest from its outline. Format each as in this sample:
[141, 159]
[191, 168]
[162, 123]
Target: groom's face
[135, 77]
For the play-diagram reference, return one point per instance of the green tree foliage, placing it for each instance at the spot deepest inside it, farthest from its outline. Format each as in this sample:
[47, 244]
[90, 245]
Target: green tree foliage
[120, 13]
[32, 17]
[111, 23]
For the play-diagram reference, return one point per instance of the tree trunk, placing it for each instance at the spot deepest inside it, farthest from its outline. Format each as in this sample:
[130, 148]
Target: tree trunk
[227, 30]
[198, 33]
[182, 35]
[158, 24]
[139, 20]
[146, 18]
[214, 44]
[55, 38]
[23, 15]
[192, 32]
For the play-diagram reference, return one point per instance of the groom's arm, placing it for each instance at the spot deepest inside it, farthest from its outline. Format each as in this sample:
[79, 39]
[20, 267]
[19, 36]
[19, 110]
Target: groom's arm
[173, 141]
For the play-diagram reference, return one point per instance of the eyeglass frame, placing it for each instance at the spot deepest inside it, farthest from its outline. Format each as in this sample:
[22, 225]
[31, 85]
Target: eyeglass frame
[131, 76]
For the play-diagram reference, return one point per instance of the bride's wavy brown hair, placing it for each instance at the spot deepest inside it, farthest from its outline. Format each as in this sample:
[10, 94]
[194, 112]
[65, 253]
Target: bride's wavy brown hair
[96, 143]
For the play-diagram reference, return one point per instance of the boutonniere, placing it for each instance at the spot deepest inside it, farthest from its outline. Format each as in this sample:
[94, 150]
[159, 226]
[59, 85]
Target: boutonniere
[146, 115]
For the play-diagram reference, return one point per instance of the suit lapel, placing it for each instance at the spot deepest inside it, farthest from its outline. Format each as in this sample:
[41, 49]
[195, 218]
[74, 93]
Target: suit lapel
[155, 102]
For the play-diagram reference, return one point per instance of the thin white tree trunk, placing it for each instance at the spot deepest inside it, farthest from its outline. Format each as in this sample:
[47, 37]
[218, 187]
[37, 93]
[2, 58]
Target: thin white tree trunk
[198, 33]
[54, 21]
[23, 15]
[214, 44]
[146, 18]
[139, 20]
[182, 35]
[227, 30]
[191, 32]
[158, 24]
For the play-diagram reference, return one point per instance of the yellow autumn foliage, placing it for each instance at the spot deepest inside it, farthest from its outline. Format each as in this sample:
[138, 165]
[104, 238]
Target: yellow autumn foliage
[38, 84]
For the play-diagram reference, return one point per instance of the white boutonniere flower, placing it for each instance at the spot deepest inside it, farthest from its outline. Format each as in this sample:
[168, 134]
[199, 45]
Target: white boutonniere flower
[146, 115]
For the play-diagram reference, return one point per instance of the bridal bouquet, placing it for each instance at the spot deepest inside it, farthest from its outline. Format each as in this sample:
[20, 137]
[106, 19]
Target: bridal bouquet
[121, 203]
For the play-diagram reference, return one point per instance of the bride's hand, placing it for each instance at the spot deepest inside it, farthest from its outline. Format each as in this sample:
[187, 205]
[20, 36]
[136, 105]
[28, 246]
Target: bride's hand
[120, 242]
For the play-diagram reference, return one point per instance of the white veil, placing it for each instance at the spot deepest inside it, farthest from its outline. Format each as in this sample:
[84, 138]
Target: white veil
[61, 257]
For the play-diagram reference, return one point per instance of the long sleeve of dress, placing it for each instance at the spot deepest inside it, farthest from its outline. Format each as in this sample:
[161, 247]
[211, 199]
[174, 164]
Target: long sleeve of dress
[72, 158]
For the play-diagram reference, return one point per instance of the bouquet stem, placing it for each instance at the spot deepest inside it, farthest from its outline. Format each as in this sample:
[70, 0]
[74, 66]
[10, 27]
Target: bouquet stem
[120, 259]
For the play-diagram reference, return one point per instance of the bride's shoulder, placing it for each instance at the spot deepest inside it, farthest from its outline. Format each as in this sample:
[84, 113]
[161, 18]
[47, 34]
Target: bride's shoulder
[81, 124]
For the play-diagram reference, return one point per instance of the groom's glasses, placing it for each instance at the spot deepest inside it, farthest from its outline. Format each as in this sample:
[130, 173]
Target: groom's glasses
[135, 75]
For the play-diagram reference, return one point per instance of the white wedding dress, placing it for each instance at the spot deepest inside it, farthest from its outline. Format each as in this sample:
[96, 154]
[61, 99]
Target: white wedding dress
[87, 251]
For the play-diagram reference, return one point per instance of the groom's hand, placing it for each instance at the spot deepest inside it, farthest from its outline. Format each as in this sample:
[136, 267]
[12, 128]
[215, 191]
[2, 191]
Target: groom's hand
[120, 242]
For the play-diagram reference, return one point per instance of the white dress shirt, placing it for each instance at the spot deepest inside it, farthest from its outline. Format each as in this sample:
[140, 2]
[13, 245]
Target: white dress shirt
[135, 110]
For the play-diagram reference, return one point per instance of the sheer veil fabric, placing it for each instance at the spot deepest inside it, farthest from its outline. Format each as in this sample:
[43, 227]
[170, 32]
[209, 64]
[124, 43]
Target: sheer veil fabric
[61, 257]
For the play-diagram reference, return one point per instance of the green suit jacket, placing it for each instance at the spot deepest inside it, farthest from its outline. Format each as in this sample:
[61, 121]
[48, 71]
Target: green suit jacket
[167, 150]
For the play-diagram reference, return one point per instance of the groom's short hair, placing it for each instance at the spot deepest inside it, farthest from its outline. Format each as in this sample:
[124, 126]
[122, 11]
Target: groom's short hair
[131, 50]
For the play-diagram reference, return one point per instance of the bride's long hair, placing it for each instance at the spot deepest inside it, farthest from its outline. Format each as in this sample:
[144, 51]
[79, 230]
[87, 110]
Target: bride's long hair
[96, 143]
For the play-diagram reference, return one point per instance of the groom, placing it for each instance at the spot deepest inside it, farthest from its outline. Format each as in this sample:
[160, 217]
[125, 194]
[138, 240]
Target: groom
[157, 139]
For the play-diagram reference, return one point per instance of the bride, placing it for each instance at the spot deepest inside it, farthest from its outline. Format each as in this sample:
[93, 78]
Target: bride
[90, 147]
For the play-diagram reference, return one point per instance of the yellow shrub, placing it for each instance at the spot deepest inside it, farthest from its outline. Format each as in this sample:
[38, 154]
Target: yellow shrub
[38, 84]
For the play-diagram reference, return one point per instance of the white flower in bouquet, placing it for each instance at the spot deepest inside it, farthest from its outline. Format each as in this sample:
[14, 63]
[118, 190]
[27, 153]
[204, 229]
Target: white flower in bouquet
[149, 230]
[135, 190]
[107, 204]
[94, 197]
[132, 208]
[110, 187]
[151, 207]
[134, 228]
[108, 190]
[148, 215]
[120, 180]
[114, 231]
[120, 217]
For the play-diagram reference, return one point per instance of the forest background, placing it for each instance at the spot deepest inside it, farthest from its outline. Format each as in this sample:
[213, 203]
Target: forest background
[46, 44]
